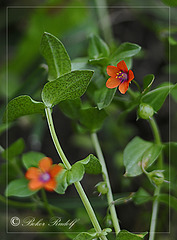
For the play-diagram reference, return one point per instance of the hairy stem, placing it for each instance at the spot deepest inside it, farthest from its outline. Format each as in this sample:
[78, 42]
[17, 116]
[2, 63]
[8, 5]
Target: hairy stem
[78, 186]
[106, 178]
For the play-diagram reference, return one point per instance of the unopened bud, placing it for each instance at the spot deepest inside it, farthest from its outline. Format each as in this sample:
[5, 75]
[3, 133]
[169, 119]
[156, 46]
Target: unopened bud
[145, 111]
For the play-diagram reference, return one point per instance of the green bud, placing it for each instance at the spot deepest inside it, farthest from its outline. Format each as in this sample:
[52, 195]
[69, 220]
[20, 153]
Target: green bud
[156, 177]
[108, 221]
[145, 111]
[102, 187]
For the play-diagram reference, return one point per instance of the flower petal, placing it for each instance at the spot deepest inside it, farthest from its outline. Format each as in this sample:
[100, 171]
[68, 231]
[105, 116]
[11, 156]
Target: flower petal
[33, 173]
[55, 170]
[122, 66]
[130, 75]
[50, 185]
[35, 184]
[45, 164]
[112, 82]
[123, 87]
[112, 71]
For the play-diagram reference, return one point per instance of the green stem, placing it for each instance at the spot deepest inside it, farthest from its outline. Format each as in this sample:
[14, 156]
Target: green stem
[78, 186]
[157, 139]
[106, 177]
[154, 214]
[155, 206]
[46, 204]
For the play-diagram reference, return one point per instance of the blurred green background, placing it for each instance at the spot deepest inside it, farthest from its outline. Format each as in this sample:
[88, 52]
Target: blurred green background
[22, 71]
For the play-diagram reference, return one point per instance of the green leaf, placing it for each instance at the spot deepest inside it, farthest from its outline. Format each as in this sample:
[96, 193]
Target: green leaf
[125, 235]
[14, 149]
[85, 236]
[173, 93]
[69, 86]
[21, 106]
[147, 82]
[141, 196]
[68, 177]
[76, 173]
[172, 41]
[56, 56]
[171, 3]
[71, 108]
[137, 151]
[156, 97]
[92, 118]
[31, 159]
[169, 200]
[91, 164]
[104, 96]
[61, 182]
[99, 61]
[125, 50]
[97, 48]
[150, 155]
[19, 188]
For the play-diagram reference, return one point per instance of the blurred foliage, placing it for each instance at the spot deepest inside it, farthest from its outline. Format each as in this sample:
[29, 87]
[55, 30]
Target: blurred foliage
[73, 22]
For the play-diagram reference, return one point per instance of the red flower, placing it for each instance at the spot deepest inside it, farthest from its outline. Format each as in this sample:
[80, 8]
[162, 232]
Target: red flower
[119, 76]
[44, 176]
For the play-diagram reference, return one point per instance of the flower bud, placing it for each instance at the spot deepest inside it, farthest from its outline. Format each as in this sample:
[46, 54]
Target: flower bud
[145, 111]
[156, 177]
[102, 187]
[108, 221]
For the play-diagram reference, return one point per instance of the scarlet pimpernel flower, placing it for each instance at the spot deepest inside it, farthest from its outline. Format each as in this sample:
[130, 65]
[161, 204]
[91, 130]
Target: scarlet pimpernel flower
[119, 76]
[44, 176]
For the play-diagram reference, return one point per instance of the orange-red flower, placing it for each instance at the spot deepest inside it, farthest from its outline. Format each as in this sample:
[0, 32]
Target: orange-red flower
[44, 176]
[119, 76]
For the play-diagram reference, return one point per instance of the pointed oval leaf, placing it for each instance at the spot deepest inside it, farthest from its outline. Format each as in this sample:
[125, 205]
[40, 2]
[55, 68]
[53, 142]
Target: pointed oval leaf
[125, 235]
[85, 236]
[173, 93]
[61, 182]
[14, 149]
[139, 152]
[69, 86]
[148, 81]
[104, 97]
[141, 196]
[92, 165]
[156, 97]
[56, 56]
[19, 188]
[92, 118]
[21, 106]
[71, 108]
[31, 159]
[150, 155]
[133, 154]
[76, 173]
[125, 50]
[97, 48]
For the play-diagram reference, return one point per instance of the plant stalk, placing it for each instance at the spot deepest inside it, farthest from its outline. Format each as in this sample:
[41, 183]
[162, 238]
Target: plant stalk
[106, 178]
[78, 186]
[46, 204]
[155, 205]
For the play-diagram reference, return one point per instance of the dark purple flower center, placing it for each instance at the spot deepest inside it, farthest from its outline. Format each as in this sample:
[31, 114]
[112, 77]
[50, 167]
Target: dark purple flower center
[122, 76]
[45, 177]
